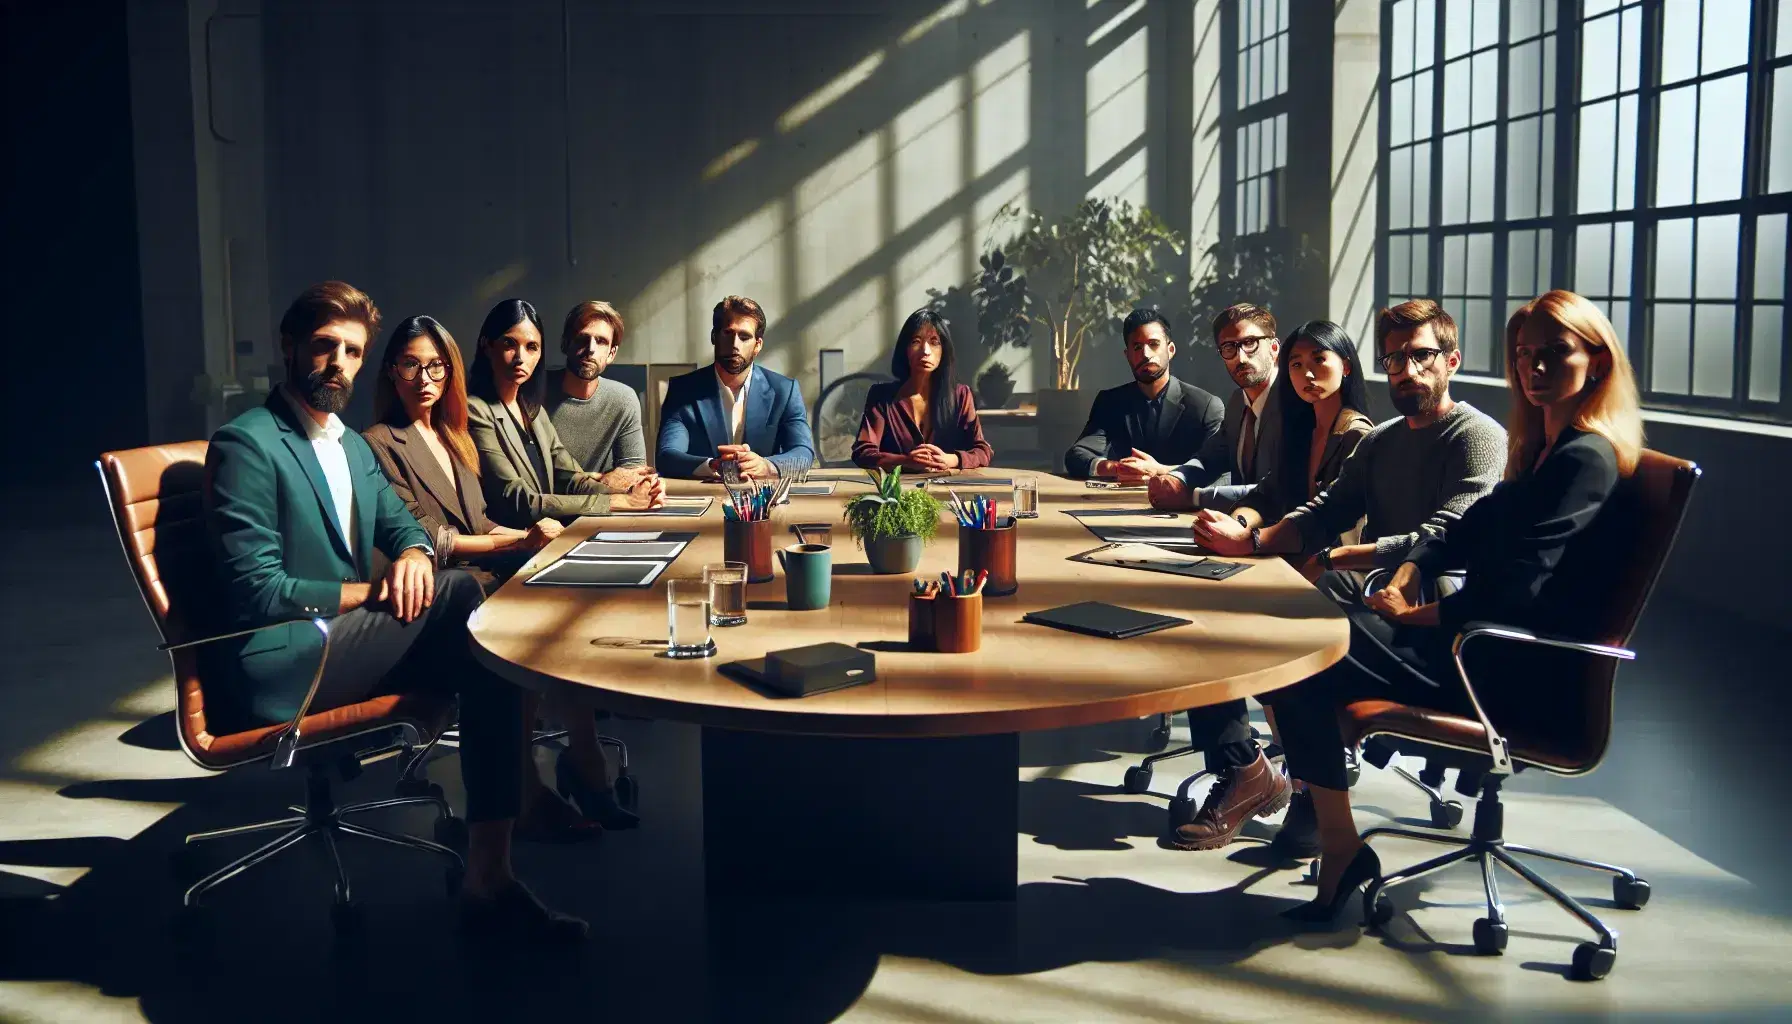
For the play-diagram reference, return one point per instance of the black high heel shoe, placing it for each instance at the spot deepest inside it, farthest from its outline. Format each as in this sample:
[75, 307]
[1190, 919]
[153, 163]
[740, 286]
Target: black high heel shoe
[1364, 868]
[597, 804]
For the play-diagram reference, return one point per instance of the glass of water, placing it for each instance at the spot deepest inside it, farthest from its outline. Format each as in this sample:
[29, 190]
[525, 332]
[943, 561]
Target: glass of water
[1026, 497]
[687, 619]
[727, 593]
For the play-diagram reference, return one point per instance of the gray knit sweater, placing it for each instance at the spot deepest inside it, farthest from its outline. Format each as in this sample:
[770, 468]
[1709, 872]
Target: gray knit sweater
[602, 433]
[1410, 483]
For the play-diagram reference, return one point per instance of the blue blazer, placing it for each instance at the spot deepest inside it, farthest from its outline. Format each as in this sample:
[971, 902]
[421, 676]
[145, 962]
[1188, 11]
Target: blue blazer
[692, 426]
[279, 551]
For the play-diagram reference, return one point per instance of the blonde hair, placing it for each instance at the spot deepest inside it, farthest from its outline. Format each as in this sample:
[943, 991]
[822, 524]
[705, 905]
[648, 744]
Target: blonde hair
[1609, 405]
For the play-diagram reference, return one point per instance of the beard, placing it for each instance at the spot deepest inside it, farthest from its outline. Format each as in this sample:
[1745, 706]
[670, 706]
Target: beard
[585, 369]
[736, 363]
[1422, 402]
[315, 390]
[1248, 375]
[1147, 375]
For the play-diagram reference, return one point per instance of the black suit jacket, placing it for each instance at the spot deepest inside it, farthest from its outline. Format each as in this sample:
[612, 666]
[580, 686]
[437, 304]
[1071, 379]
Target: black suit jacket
[1189, 417]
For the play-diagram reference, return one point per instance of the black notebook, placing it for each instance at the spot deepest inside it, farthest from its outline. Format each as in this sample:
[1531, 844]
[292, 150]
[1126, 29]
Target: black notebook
[1098, 618]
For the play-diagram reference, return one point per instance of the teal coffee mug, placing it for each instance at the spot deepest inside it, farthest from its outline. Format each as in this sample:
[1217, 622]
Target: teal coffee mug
[808, 575]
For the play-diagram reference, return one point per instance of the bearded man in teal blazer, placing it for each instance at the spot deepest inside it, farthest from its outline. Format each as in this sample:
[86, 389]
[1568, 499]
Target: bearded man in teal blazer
[295, 508]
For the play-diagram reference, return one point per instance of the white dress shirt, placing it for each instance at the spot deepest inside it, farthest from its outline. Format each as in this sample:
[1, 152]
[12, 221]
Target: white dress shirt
[734, 407]
[332, 458]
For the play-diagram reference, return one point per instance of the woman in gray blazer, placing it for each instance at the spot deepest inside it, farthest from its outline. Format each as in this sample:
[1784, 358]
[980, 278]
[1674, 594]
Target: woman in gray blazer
[528, 474]
[423, 446]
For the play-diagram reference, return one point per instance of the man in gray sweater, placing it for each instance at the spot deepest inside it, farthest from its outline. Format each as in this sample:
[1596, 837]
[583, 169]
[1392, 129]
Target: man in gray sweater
[599, 420]
[1412, 477]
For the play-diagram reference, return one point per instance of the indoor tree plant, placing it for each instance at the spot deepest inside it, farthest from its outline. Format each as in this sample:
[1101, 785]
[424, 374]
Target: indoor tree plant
[1254, 268]
[1085, 271]
[893, 524]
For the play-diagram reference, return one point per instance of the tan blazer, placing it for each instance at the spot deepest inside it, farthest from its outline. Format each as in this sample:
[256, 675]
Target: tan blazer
[444, 508]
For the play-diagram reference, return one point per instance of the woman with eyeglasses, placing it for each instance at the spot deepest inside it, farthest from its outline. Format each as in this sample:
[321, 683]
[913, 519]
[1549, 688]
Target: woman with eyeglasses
[422, 443]
[1532, 554]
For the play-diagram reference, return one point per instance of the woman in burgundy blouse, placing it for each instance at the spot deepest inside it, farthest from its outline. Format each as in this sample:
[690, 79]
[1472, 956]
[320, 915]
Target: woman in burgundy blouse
[924, 419]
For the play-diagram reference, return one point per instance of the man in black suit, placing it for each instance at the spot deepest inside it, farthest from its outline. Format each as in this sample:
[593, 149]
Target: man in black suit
[1147, 428]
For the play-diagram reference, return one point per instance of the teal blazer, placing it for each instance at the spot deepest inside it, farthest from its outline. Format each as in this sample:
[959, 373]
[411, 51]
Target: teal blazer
[279, 553]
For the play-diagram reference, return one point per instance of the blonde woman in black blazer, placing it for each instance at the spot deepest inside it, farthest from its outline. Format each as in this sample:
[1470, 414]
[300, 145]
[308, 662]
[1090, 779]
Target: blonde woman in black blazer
[422, 445]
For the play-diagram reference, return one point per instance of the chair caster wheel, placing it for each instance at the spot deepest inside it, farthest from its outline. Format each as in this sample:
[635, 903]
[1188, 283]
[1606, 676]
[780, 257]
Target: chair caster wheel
[628, 792]
[1446, 814]
[452, 833]
[1137, 780]
[1490, 937]
[1159, 738]
[1182, 811]
[346, 916]
[1380, 912]
[1592, 962]
[1628, 894]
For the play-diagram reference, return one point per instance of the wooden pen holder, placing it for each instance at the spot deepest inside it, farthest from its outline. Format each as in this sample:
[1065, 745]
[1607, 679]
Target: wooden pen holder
[957, 623]
[992, 551]
[920, 621]
[749, 541]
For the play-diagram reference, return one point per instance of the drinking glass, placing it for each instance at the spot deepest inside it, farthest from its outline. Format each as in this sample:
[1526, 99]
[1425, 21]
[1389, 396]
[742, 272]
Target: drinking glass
[727, 593]
[1026, 497]
[687, 619]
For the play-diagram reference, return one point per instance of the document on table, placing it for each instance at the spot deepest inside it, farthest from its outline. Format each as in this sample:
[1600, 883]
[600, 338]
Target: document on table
[664, 550]
[678, 506]
[1157, 559]
[590, 572]
[1180, 535]
[627, 536]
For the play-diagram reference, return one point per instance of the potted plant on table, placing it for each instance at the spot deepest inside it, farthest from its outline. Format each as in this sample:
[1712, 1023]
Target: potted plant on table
[893, 524]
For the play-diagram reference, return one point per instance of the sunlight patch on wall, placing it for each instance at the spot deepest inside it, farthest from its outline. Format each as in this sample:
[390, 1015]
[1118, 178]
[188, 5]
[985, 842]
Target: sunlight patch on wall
[499, 283]
[933, 21]
[855, 322]
[1127, 181]
[1204, 198]
[657, 321]
[720, 165]
[744, 260]
[936, 261]
[1001, 105]
[1115, 108]
[929, 163]
[1102, 30]
[1014, 189]
[824, 97]
[837, 217]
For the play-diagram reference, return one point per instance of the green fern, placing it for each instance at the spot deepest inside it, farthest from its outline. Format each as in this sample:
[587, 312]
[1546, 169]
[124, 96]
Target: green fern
[892, 511]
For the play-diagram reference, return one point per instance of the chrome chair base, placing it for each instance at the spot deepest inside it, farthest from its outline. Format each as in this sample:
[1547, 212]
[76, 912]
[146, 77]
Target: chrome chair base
[323, 819]
[1592, 960]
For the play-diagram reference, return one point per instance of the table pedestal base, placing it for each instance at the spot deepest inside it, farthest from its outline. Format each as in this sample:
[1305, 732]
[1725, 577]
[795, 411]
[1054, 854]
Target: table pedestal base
[874, 819]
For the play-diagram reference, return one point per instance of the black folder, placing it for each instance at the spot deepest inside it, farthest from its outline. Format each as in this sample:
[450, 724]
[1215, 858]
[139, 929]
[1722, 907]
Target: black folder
[1098, 618]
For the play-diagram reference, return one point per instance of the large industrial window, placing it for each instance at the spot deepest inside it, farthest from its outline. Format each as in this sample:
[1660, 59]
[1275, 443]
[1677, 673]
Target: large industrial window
[1637, 151]
[1258, 88]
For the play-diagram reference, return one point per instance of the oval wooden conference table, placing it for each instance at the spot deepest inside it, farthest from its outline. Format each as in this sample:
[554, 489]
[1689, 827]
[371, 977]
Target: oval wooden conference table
[906, 787]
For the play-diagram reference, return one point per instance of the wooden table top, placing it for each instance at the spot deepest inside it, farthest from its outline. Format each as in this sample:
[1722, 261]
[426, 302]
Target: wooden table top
[1261, 629]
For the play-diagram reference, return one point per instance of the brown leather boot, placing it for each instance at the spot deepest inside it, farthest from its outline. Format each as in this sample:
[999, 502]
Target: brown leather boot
[1238, 794]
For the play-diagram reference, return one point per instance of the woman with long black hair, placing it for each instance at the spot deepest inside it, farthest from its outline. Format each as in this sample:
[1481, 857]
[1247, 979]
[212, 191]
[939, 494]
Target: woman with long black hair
[924, 419]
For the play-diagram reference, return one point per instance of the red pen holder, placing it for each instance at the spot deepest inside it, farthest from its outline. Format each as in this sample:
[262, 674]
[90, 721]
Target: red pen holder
[992, 551]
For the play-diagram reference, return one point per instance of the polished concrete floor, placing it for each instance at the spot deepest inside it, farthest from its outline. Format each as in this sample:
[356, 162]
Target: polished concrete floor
[1107, 925]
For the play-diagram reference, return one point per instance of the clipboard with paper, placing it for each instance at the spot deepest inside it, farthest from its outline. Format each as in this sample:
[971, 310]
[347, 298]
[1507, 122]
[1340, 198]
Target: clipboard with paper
[1151, 558]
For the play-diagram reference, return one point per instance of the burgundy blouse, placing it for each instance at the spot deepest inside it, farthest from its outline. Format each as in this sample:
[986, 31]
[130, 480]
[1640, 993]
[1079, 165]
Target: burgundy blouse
[889, 427]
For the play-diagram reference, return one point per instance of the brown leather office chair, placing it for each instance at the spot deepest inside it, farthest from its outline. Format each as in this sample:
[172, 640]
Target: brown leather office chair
[1562, 726]
[155, 494]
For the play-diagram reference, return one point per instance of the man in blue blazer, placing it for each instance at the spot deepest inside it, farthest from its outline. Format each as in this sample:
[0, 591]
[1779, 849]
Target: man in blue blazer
[295, 507]
[734, 413]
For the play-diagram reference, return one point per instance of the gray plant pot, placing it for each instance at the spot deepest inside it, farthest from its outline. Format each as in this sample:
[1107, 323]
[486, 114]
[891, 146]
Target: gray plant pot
[893, 555]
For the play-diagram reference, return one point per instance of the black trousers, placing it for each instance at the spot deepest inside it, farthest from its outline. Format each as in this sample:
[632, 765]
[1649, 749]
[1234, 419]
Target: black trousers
[1412, 665]
[371, 653]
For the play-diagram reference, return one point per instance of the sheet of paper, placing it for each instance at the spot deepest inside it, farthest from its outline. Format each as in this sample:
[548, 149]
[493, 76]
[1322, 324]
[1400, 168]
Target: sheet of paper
[587, 572]
[1124, 554]
[627, 536]
[665, 550]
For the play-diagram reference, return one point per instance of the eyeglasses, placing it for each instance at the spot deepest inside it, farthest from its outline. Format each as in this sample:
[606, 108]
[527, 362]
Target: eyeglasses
[435, 369]
[1230, 349]
[1418, 357]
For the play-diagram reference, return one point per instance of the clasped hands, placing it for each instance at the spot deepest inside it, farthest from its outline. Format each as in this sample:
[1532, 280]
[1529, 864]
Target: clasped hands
[751, 464]
[932, 458]
[635, 488]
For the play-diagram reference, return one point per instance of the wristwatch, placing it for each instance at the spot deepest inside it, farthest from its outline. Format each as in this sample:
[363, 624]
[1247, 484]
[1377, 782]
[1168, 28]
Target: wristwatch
[1325, 558]
[1256, 541]
[1241, 520]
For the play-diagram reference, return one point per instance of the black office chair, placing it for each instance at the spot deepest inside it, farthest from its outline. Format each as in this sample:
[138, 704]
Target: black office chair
[1563, 728]
[837, 414]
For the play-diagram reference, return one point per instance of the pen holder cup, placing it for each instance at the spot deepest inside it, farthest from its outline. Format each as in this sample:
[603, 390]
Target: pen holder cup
[749, 542]
[920, 621]
[957, 624]
[991, 551]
